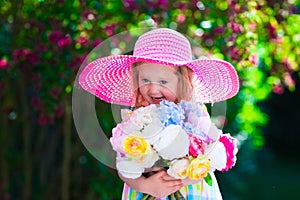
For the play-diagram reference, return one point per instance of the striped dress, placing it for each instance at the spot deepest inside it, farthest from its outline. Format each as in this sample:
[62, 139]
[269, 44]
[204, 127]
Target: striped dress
[199, 191]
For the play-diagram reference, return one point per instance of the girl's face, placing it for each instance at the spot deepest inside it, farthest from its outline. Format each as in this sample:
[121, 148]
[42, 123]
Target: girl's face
[157, 82]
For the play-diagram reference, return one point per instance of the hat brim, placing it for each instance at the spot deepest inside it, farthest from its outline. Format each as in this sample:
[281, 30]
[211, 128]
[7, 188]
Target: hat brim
[110, 79]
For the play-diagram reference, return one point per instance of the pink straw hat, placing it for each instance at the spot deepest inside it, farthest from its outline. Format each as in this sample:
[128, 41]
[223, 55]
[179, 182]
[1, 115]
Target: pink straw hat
[109, 78]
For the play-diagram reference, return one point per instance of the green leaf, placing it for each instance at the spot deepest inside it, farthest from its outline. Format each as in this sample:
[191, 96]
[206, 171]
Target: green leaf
[208, 180]
[145, 196]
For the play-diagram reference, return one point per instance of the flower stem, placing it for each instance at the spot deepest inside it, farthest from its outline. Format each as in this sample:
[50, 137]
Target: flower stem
[178, 196]
[171, 196]
[145, 196]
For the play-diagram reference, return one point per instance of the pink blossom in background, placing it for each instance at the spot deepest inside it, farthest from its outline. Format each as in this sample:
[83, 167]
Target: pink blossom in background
[59, 111]
[33, 58]
[42, 119]
[237, 28]
[81, 40]
[89, 14]
[35, 77]
[181, 6]
[157, 3]
[2, 86]
[254, 59]
[252, 26]
[288, 79]
[20, 53]
[55, 36]
[55, 92]
[180, 18]
[36, 103]
[64, 42]
[3, 63]
[97, 42]
[220, 30]
[278, 88]
[40, 48]
[234, 53]
[272, 31]
[110, 29]
[130, 4]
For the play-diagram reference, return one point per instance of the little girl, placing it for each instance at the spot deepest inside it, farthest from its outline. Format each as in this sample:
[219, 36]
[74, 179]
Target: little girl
[161, 67]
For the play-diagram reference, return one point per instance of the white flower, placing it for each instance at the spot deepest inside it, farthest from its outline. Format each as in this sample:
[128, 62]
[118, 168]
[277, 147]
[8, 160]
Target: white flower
[130, 128]
[126, 114]
[173, 143]
[152, 132]
[143, 116]
[216, 152]
[178, 168]
[213, 132]
[129, 168]
[147, 160]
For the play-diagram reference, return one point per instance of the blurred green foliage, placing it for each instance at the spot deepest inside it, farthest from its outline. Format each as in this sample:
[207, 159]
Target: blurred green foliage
[43, 44]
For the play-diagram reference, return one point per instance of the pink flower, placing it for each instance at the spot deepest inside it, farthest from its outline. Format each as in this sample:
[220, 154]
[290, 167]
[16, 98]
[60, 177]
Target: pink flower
[81, 40]
[88, 14]
[234, 53]
[55, 92]
[254, 59]
[3, 63]
[59, 111]
[42, 119]
[36, 103]
[40, 48]
[235, 27]
[33, 58]
[196, 145]
[20, 53]
[97, 42]
[157, 4]
[253, 26]
[220, 30]
[110, 29]
[130, 4]
[277, 88]
[230, 144]
[64, 42]
[272, 31]
[118, 135]
[180, 18]
[55, 36]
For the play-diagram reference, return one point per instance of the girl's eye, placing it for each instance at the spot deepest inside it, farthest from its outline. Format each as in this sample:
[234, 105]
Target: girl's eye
[163, 82]
[144, 80]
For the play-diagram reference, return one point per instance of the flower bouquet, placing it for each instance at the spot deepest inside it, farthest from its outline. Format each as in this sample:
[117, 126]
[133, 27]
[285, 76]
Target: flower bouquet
[178, 137]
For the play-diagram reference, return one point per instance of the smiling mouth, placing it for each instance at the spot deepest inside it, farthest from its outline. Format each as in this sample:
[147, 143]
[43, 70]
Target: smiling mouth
[157, 98]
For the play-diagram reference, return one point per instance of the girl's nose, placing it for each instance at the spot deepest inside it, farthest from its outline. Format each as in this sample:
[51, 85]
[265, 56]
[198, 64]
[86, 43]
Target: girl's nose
[153, 88]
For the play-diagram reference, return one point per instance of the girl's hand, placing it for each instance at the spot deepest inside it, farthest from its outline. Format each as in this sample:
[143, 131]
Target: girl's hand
[188, 181]
[185, 181]
[160, 185]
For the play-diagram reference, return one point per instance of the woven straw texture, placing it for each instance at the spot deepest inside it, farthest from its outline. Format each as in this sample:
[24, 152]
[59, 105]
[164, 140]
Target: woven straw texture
[109, 78]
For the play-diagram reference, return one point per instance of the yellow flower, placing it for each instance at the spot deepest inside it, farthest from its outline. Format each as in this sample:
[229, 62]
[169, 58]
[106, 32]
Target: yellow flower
[198, 168]
[135, 146]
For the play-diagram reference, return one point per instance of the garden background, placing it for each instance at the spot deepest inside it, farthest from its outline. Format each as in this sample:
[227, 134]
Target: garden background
[43, 43]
